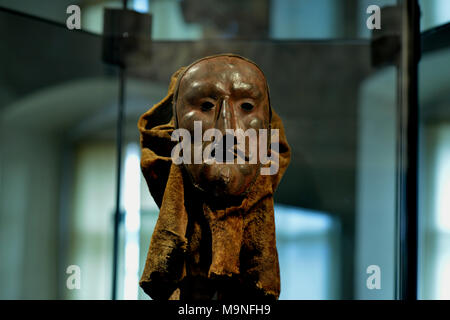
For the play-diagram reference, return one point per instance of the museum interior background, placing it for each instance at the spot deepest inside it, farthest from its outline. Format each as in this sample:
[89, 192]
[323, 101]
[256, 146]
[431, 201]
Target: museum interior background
[335, 209]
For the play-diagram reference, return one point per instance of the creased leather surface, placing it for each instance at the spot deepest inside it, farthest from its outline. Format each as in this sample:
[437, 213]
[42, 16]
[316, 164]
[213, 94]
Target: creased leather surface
[197, 251]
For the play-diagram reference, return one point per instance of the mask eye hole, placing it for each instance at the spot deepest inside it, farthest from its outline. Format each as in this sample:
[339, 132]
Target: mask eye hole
[247, 106]
[206, 106]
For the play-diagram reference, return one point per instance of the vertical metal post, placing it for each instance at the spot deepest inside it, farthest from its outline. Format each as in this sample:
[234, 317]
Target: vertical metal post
[407, 194]
[119, 142]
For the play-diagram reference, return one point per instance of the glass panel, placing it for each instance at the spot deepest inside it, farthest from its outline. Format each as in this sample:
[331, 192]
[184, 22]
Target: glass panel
[375, 227]
[434, 13]
[308, 247]
[213, 19]
[338, 152]
[57, 161]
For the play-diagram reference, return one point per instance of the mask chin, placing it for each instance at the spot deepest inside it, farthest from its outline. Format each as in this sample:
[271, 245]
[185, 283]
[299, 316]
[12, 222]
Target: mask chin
[224, 181]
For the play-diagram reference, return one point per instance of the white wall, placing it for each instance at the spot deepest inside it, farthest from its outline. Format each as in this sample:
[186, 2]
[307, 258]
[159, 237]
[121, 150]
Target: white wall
[375, 240]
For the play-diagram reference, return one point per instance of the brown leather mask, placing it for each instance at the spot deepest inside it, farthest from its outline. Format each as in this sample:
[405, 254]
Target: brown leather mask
[201, 249]
[224, 93]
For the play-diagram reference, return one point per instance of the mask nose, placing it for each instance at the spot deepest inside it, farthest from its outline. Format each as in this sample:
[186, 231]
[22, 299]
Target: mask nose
[225, 118]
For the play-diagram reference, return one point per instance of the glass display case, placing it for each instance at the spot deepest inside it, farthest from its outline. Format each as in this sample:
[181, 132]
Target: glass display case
[346, 211]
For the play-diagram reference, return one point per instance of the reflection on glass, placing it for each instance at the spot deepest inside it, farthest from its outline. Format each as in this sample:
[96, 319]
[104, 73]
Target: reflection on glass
[435, 214]
[58, 144]
[376, 214]
[434, 178]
